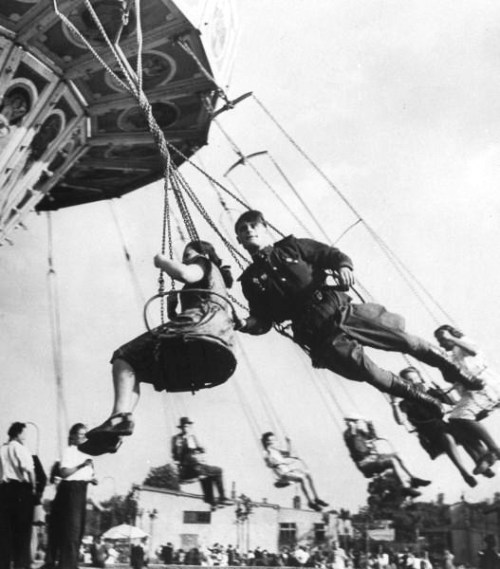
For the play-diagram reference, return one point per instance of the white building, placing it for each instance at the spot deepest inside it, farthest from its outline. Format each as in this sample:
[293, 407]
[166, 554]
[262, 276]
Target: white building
[186, 521]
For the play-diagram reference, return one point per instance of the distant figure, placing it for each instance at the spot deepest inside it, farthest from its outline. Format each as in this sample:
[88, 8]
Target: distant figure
[167, 553]
[361, 440]
[138, 557]
[448, 560]
[98, 552]
[112, 557]
[186, 452]
[474, 405]
[289, 468]
[339, 556]
[301, 555]
[17, 495]
[489, 558]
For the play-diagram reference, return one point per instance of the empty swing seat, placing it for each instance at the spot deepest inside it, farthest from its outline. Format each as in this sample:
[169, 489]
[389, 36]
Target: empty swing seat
[194, 350]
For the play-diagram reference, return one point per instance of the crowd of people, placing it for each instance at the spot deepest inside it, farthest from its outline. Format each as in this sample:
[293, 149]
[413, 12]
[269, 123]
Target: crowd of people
[328, 555]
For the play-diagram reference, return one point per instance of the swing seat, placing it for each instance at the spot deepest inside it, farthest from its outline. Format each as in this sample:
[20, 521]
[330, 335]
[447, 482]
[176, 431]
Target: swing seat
[191, 480]
[281, 483]
[189, 474]
[190, 363]
[374, 466]
[194, 350]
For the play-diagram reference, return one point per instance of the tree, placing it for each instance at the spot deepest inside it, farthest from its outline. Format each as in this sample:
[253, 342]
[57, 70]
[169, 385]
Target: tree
[165, 476]
[118, 510]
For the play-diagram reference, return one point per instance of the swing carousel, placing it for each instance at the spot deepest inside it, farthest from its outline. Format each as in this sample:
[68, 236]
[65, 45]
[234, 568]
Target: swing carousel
[127, 119]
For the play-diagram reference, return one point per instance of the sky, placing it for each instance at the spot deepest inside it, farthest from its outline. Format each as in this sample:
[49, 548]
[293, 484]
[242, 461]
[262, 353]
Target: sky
[397, 103]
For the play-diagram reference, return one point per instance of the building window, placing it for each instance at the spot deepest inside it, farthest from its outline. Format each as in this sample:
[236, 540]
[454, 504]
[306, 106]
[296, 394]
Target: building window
[288, 534]
[319, 533]
[197, 517]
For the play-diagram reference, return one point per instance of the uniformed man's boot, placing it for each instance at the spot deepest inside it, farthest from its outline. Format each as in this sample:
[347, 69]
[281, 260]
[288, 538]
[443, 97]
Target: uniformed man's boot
[401, 388]
[452, 373]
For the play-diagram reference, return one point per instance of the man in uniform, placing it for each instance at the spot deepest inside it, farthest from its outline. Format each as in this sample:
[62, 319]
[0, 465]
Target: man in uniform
[287, 281]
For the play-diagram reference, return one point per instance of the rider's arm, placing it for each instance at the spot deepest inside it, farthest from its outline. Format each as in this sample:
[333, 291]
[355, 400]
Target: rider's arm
[396, 412]
[464, 344]
[191, 273]
[253, 325]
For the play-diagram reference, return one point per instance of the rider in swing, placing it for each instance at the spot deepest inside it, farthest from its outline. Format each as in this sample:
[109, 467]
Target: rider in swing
[136, 361]
[286, 281]
[289, 468]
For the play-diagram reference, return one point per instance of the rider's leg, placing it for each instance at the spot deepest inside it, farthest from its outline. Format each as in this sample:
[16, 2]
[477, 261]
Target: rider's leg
[126, 387]
[451, 449]
[346, 356]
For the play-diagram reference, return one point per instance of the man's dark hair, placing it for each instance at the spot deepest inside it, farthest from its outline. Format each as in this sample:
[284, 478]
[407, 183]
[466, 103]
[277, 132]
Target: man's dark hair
[265, 437]
[250, 216]
[16, 429]
[407, 370]
[447, 328]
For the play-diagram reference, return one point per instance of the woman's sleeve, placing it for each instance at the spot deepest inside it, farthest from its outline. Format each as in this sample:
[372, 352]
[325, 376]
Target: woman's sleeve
[202, 262]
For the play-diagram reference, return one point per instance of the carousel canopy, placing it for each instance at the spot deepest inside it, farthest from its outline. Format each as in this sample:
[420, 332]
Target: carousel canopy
[69, 132]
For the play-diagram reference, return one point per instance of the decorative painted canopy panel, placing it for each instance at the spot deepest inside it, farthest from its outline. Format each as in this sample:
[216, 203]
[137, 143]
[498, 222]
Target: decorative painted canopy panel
[69, 132]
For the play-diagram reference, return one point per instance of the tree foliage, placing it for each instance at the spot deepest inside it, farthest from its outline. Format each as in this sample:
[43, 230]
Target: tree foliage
[165, 476]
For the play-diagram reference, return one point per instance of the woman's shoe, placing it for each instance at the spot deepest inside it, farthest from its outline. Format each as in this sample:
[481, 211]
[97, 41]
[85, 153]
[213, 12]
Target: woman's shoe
[321, 503]
[417, 482]
[410, 492]
[471, 481]
[489, 473]
[485, 462]
[120, 424]
[314, 506]
[107, 443]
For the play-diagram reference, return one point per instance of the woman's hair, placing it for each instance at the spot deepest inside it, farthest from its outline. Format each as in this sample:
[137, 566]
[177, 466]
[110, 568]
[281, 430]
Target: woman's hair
[74, 430]
[264, 439]
[16, 429]
[206, 248]
[447, 328]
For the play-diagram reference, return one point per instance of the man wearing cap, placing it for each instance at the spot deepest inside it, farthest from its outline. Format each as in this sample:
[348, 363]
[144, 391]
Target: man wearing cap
[186, 453]
[287, 281]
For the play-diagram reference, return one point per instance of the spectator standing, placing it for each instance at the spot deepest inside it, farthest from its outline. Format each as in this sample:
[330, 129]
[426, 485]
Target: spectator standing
[17, 495]
[448, 560]
[69, 506]
[138, 558]
[98, 552]
[339, 556]
[167, 553]
[301, 555]
[489, 558]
